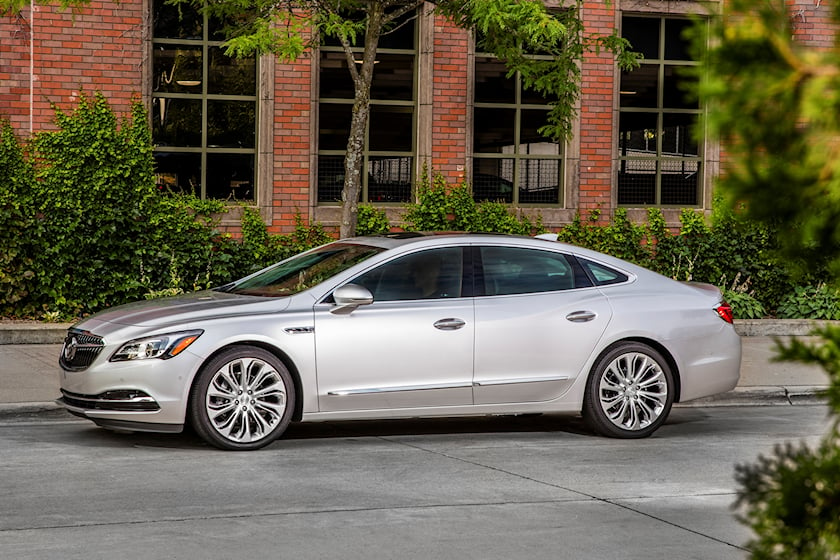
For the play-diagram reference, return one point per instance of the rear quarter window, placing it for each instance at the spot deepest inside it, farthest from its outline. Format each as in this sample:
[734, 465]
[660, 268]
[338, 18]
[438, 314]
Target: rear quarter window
[602, 275]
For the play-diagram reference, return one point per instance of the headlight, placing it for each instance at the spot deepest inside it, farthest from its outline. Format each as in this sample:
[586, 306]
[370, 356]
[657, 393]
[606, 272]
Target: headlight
[164, 346]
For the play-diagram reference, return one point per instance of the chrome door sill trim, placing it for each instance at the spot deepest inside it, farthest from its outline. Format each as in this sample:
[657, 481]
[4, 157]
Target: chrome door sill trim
[375, 390]
[520, 380]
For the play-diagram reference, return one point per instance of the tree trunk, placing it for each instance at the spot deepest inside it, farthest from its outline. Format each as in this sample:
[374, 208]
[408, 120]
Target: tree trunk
[354, 159]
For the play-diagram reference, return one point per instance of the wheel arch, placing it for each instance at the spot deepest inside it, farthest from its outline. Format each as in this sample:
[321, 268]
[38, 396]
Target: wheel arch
[279, 354]
[672, 363]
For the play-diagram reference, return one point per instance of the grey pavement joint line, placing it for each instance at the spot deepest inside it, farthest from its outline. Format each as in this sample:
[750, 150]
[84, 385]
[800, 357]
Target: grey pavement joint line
[188, 518]
[589, 497]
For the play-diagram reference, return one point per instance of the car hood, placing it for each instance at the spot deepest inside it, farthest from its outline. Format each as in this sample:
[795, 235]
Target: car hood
[188, 308]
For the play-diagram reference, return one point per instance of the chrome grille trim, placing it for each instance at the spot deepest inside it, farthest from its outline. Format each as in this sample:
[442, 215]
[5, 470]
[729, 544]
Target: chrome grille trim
[80, 350]
[122, 400]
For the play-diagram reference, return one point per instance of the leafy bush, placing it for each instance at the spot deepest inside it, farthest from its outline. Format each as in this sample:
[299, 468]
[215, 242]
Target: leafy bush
[744, 305]
[444, 207]
[262, 248]
[371, 221]
[84, 227]
[106, 235]
[18, 232]
[620, 237]
[811, 302]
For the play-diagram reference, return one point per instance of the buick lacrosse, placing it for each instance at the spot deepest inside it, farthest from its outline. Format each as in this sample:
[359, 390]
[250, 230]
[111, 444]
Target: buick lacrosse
[406, 325]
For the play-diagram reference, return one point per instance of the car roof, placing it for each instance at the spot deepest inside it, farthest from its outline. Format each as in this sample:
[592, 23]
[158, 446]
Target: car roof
[400, 239]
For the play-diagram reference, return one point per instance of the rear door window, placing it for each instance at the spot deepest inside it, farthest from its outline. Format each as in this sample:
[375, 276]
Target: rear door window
[515, 270]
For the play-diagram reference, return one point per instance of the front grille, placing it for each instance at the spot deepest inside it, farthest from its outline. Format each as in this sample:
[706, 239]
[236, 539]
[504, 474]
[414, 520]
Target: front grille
[125, 400]
[80, 350]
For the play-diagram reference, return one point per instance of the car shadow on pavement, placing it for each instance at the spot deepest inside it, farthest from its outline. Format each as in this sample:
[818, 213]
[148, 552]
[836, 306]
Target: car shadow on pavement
[87, 434]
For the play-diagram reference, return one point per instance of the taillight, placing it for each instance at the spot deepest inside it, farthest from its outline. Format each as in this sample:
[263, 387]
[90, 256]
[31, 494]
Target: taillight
[724, 310]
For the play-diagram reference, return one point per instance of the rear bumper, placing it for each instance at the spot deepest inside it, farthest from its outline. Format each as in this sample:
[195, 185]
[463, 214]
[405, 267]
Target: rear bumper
[713, 367]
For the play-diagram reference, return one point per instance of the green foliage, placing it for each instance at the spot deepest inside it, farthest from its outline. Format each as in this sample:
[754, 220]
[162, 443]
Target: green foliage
[742, 299]
[83, 226]
[444, 207]
[777, 105]
[514, 29]
[101, 218]
[262, 248]
[371, 221]
[620, 237]
[744, 305]
[726, 248]
[791, 499]
[811, 302]
[18, 231]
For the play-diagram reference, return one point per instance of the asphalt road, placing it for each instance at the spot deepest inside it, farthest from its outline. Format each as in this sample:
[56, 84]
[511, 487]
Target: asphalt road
[524, 487]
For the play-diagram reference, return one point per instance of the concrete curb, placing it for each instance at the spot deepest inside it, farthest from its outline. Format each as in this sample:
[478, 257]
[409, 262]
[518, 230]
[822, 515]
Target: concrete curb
[12, 410]
[32, 332]
[779, 327]
[764, 396]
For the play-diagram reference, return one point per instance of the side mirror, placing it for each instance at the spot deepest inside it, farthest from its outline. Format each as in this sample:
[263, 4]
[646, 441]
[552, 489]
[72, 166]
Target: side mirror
[350, 296]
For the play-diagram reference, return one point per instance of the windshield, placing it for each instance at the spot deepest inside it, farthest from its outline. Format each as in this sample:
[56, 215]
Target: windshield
[304, 271]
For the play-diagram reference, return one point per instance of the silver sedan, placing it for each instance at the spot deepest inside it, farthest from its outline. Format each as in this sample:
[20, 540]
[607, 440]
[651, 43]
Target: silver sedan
[406, 325]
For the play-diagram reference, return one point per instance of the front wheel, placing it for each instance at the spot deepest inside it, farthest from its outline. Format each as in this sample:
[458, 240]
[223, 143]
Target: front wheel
[242, 399]
[629, 392]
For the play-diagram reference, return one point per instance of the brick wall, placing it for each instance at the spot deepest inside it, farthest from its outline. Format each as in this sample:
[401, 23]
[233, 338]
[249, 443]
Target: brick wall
[292, 144]
[59, 53]
[812, 23]
[597, 114]
[449, 107]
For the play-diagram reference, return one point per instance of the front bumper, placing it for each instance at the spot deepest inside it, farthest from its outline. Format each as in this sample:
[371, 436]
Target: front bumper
[121, 410]
[142, 395]
[125, 400]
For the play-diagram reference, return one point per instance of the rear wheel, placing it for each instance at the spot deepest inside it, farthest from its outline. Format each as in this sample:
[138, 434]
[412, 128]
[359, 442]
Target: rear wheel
[629, 392]
[242, 399]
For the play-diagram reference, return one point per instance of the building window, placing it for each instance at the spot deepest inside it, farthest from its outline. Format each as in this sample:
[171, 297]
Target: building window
[660, 161]
[512, 161]
[389, 140]
[204, 108]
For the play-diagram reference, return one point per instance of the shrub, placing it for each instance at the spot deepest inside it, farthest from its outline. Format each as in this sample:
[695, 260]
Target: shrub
[371, 221]
[18, 226]
[262, 248]
[742, 299]
[444, 207]
[811, 302]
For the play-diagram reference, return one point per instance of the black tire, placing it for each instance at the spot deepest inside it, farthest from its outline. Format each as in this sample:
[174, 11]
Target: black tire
[629, 392]
[242, 399]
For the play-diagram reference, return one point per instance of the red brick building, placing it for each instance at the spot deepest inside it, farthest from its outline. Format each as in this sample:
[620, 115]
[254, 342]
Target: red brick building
[272, 134]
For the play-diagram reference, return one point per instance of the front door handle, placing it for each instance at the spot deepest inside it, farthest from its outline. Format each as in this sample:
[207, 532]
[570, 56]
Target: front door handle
[581, 316]
[449, 324]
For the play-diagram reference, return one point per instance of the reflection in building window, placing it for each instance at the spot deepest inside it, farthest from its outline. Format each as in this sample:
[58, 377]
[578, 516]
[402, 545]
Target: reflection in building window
[512, 161]
[389, 140]
[204, 107]
[660, 161]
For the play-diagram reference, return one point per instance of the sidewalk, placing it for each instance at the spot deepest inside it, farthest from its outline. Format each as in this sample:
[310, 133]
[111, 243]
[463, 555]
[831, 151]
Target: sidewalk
[29, 368]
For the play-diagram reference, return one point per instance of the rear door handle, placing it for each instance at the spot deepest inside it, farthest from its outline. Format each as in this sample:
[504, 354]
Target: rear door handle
[581, 316]
[449, 324]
